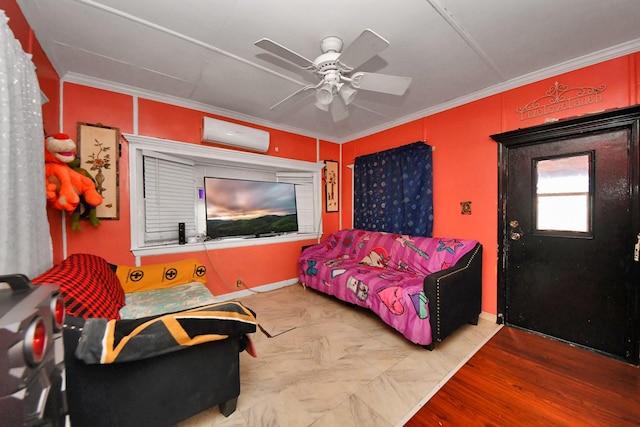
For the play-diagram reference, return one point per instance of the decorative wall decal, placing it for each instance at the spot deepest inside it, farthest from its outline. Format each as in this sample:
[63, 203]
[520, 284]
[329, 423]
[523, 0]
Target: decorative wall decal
[331, 185]
[98, 149]
[561, 97]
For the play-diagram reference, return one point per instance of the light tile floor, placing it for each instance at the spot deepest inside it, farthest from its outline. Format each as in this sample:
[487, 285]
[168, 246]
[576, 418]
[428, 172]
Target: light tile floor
[328, 364]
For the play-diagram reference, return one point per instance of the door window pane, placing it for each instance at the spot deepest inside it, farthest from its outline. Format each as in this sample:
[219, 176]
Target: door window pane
[562, 194]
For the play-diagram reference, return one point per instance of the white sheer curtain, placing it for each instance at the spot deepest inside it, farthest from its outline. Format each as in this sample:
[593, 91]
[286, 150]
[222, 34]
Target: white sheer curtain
[25, 241]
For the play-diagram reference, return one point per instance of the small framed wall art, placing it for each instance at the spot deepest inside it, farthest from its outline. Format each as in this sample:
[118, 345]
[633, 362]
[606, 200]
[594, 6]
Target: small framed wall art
[331, 185]
[98, 150]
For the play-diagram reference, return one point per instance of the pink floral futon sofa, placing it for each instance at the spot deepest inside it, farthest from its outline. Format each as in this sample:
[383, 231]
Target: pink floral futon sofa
[425, 288]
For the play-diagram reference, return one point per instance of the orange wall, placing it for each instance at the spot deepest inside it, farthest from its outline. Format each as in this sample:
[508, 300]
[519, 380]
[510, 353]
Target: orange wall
[89, 105]
[465, 158]
[465, 162]
[330, 220]
[256, 266]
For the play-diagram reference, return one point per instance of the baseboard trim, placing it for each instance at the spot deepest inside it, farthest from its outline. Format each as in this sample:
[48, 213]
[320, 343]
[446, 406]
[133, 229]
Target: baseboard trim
[488, 316]
[257, 289]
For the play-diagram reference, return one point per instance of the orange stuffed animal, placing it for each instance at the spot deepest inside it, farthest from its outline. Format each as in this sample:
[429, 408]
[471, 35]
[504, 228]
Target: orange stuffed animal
[64, 185]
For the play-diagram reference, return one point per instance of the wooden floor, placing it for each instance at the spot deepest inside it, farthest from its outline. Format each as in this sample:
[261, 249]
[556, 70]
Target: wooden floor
[522, 379]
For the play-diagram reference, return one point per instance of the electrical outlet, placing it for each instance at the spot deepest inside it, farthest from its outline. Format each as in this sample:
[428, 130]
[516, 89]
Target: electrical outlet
[239, 283]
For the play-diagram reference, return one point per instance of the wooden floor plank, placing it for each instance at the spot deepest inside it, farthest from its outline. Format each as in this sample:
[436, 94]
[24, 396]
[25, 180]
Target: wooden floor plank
[523, 379]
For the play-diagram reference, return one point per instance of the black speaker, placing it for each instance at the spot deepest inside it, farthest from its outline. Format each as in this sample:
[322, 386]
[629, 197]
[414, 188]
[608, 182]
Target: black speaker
[182, 238]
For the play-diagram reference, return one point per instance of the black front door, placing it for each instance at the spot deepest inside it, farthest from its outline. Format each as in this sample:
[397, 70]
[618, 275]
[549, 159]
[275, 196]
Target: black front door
[569, 223]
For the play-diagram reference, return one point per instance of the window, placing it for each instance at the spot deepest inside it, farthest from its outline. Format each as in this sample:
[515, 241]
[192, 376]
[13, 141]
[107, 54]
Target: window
[307, 219]
[563, 196]
[166, 203]
[166, 179]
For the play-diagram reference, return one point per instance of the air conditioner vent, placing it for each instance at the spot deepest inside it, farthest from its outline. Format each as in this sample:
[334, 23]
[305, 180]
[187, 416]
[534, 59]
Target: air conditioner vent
[232, 134]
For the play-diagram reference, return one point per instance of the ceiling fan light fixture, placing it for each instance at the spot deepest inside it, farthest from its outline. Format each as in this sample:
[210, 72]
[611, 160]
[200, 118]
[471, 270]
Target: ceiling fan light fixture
[323, 107]
[347, 93]
[324, 94]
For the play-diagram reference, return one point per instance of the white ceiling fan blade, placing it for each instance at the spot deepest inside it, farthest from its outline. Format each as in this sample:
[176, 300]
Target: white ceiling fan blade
[393, 85]
[338, 110]
[366, 46]
[292, 99]
[284, 53]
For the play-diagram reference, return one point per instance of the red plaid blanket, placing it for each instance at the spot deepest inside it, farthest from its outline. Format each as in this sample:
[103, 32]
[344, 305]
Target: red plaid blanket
[89, 286]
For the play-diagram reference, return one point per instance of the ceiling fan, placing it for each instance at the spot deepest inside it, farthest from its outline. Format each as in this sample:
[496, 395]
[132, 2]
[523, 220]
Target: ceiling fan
[338, 82]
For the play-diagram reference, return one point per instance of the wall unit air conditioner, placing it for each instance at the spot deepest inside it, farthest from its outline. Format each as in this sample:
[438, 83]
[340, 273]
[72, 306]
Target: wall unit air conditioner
[235, 135]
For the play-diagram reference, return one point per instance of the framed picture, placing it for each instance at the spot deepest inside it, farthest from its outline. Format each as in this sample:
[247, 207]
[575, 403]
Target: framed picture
[99, 150]
[331, 185]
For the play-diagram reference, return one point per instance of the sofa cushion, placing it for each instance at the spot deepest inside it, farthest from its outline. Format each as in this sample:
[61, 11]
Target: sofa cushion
[161, 276]
[166, 300]
[88, 285]
[420, 255]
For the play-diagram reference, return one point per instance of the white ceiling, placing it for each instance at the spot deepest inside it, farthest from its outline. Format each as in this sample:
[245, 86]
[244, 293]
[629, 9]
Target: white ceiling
[201, 54]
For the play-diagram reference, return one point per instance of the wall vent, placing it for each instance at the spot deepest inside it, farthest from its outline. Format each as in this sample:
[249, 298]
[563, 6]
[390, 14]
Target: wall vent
[232, 134]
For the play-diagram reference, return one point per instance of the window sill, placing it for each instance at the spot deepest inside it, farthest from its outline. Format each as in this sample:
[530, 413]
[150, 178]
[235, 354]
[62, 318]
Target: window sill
[174, 248]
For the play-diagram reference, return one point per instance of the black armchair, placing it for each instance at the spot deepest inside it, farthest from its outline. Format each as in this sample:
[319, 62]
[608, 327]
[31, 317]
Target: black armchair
[158, 391]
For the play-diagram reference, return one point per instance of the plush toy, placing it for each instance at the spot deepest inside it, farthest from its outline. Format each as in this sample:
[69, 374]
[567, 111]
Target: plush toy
[64, 185]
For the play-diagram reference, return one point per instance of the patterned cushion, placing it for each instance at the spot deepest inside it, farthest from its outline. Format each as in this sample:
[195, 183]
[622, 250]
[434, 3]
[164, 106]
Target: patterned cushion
[166, 300]
[89, 286]
[160, 276]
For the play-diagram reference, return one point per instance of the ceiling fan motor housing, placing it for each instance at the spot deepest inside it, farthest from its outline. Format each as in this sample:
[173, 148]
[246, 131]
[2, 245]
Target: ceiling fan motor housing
[331, 44]
[326, 62]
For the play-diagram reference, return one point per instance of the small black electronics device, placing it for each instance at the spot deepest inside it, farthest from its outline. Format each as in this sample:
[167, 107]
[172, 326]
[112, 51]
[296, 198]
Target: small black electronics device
[182, 239]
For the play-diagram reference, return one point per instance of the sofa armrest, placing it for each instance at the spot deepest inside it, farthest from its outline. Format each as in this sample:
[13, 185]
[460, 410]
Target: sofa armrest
[455, 294]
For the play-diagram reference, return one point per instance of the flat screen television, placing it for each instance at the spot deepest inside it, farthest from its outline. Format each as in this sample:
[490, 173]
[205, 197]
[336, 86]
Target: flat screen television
[244, 208]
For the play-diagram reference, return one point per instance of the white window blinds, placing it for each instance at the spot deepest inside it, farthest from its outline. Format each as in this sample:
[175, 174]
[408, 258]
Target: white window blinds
[306, 200]
[169, 197]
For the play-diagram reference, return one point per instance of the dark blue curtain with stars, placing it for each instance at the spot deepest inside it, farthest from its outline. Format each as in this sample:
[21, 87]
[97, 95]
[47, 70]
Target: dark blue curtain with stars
[393, 191]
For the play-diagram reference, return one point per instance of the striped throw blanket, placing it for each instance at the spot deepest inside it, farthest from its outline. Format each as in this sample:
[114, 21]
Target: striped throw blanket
[110, 341]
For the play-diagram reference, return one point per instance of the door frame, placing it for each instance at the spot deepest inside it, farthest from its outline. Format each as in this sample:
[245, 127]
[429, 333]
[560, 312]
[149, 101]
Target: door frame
[624, 118]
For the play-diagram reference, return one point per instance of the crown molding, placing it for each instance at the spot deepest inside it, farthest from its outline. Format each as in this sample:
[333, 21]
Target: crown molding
[555, 70]
[85, 80]
[545, 73]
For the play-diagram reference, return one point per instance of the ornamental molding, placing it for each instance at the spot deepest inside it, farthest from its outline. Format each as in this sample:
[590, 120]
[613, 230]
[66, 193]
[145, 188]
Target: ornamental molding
[560, 97]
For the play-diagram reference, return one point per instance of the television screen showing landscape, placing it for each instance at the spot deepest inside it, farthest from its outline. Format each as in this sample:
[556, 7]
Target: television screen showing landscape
[237, 208]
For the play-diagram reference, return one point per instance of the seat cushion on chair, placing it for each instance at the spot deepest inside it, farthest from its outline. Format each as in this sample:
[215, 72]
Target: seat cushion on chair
[166, 300]
[88, 285]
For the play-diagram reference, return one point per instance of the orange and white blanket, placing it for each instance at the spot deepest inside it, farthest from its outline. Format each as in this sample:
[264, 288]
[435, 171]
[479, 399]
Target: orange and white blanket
[111, 341]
